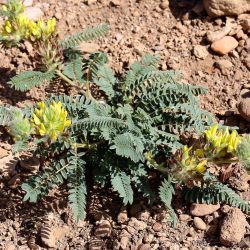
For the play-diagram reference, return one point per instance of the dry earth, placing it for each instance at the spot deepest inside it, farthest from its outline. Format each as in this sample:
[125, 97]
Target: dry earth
[179, 34]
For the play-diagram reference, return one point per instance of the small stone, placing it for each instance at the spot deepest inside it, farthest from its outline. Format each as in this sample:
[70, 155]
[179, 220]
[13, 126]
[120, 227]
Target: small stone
[143, 215]
[122, 217]
[199, 223]
[10, 246]
[200, 51]
[184, 217]
[148, 238]
[30, 163]
[3, 153]
[224, 45]
[244, 106]
[124, 242]
[233, 227]
[90, 2]
[164, 4]
[116, 2]
[223, 64]
[245, 22]
[217, 35]
[203, 209]
[33, 13]
[28, 3]
[144, 247]
[157, 227]
[103, 229]
[89, 47]
[138, 225]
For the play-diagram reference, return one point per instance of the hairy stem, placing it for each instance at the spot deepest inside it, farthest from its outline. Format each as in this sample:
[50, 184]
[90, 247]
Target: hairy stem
[66, 79]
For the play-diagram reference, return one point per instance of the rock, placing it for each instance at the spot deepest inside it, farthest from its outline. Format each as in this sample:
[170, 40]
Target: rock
[233, 227]
[223, 64]
[224, 45]
[203, 209]
[144, 247]
[143, 215]
[8, 164]
[216, 8]
[28, 3]
[157, 227]
[3, 153]
[136, 224]
[246, 61]
[104, 229]
[184, 217]
[10, 246]
[116, 2]
[164, 4]
[90, 2]
[148, 238]
[50, 236]
[244, 105]
[199, 223]
[89, 47]
[200, 51]
[122, 216]
[33, 13]
[217, 35]
[124, 242]
[244, 21]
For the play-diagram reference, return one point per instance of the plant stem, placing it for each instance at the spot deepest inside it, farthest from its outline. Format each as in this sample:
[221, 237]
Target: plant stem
[66, 79]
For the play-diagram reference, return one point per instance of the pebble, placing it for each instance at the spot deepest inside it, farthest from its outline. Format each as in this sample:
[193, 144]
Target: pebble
[200, 51]
[233, 227]
[164, 4]
[184, 217]
[144, 215]
[224, 45]
[223, 64]
[203, 209]
[124, 242]
[148, 238]
[144, 247]
[122, 217]
[28, 3]
[157, 227]
[33, 13]
[10, 246]
[89, 47]
[138, 225]
[217, 35]
[103, 229]
[244, 105]
[199, 223]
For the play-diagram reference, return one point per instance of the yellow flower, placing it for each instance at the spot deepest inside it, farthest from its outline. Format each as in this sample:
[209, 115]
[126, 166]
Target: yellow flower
[201, 167]
[50, 120]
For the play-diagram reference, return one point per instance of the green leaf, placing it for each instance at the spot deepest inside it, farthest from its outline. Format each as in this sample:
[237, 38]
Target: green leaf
[122, 184]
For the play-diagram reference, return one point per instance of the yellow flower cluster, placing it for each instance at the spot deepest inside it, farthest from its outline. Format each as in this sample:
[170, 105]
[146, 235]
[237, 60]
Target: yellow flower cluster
[18, 27]
[221, 141]
[50, 121]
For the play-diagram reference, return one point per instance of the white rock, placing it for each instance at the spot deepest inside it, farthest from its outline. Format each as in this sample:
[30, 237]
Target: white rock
[200, 51]
[33, 13]
[199, 223]
[214, 36]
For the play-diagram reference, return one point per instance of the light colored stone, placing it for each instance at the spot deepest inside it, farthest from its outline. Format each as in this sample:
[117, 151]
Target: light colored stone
[138, 225]
[164, 4]
[184, 217]
[90, 2]
[199, 223]
[28, 3]
[244, 105]
[224, 45]
[124, 242]
[33, 13]
[144, 247]
[89, 47]
[203, 209]
[157, 227]
[226, 7]
[122, 216]
[200, 51]
[233, 227]
[10, 246]
[217, 35]
[223, 64]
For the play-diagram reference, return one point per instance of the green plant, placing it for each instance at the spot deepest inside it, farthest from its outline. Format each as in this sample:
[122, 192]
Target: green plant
[133, 127]
[18, 27]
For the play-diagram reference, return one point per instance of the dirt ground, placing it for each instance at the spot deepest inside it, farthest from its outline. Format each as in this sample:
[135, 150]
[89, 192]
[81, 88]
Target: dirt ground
[136, 27]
